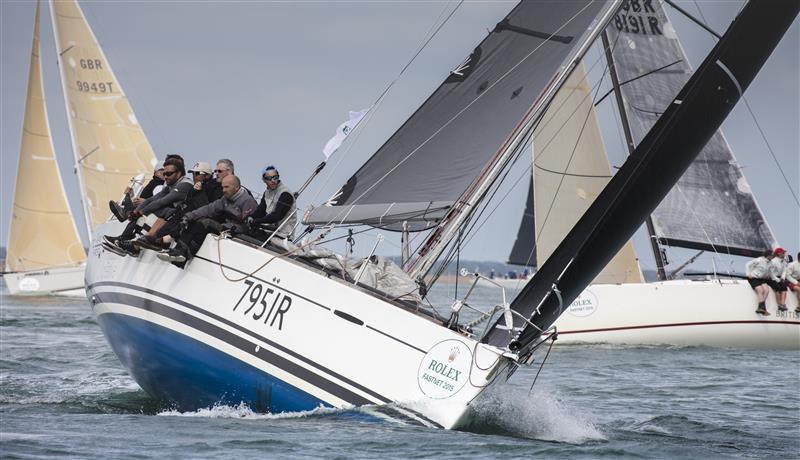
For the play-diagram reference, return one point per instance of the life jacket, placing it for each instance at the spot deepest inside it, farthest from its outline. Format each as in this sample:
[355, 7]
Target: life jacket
[289, 221]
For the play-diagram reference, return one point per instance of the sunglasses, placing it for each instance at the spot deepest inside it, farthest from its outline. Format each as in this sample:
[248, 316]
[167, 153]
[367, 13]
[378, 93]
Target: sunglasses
[169, 173]
[270, 178]
[220, 171]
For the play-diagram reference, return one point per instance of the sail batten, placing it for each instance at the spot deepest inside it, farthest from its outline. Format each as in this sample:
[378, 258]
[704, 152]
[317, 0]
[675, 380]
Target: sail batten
[109, 145]
[506, 75]
[42, 233]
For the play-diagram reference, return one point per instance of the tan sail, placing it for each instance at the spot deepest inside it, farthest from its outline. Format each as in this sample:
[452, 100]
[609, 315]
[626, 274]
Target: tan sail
[109, 145]
[570, 169]
[42, 233]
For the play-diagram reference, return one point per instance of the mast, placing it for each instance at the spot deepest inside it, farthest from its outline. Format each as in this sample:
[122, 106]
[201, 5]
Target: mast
[464, 208]
[626, 128]
[649, 173]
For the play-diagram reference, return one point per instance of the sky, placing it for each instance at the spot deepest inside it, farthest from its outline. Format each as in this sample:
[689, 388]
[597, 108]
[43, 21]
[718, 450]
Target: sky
[268, 83]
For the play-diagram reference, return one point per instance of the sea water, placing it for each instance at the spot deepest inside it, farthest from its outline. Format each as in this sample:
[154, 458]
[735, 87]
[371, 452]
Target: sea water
[64, 394]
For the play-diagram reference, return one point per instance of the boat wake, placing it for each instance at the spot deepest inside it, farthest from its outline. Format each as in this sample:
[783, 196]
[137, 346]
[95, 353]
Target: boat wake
[243, 411]
[540, 415]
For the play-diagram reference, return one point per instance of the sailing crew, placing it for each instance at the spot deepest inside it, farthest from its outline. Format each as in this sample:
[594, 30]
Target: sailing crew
[777, 266]
[228, 212]
[204, 191]
[276, 211]
[130, 202]
[757, 275]
[161, 205]
[792, 277]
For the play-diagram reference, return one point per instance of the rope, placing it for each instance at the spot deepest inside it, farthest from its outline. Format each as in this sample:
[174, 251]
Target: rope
[277, 256]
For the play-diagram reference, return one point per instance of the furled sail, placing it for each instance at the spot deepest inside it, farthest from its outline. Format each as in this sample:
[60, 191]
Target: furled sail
[524, 250]
[42, 232]
[427, 165]
[649, 173]
[109, 145]
[570, 169]
[712, 207]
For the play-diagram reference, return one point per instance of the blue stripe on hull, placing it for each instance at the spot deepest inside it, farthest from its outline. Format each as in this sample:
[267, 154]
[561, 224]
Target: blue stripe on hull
[189, 374]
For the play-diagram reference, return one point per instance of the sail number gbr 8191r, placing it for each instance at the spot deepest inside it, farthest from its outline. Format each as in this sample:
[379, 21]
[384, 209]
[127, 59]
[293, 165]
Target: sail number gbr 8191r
[265, 303]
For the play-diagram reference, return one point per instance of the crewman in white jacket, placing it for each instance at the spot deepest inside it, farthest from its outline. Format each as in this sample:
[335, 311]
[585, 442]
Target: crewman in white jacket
[777, 266]
[757, 275]
[792, 277]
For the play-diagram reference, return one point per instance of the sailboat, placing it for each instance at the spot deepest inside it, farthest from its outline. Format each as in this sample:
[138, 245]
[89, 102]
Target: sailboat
[271, 324]
[710, 209]
[111, 151]
[44, 252]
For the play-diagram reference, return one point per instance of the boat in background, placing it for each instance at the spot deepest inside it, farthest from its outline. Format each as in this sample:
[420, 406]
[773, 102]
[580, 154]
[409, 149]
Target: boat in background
[44, 252]
[710, 209]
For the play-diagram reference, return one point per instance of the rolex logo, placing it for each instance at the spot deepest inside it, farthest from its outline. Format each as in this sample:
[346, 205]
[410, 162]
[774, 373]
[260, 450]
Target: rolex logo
[453, 355]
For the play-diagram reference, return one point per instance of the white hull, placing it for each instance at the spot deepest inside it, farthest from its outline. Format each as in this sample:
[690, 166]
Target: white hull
[686, 313]
[52, 281]
[195, 338]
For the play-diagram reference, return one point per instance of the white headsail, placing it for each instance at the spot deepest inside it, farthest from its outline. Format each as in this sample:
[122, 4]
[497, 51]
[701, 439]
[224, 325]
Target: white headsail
[570, 168]
[108, 143]
[42, 232]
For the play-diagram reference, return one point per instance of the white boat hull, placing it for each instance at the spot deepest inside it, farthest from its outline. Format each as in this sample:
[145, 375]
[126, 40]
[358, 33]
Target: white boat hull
[287, 338]
[53, 281]
[718, 313]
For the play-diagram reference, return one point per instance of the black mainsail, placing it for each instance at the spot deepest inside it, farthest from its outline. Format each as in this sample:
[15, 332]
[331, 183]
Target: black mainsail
[654, 167]
[467, 122]
[712, 207]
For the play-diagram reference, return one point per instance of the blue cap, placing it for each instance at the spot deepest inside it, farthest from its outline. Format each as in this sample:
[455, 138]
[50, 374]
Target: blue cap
[269, 168]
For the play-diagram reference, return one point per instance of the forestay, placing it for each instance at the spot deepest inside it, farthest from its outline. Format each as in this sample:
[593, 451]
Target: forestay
[712, 207]
[429, 163]
[109, 145]
[42, 233]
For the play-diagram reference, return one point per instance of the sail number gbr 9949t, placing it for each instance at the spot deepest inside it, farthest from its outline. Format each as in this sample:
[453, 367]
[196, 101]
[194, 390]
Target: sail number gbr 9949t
[265, 303]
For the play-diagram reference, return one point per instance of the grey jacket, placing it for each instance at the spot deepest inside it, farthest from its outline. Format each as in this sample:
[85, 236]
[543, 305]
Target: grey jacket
[168, 196]
[235, 210]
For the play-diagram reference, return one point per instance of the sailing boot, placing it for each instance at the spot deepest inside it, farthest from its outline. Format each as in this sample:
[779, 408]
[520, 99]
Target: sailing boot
[117, 211]
[762, 309]
[782, 307]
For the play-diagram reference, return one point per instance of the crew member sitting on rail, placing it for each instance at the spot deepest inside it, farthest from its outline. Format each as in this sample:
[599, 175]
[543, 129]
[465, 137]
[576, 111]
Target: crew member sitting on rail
[276, 211]
[777, 266]
[130, 202]
[757, 275]
[229, 212]
[205, 190]
[161, 205]
[792, 277]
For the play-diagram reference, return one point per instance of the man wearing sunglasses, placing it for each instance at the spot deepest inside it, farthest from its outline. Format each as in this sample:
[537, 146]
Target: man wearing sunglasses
[161, 205]
[276, 211]
[204, 191]
[130, 202]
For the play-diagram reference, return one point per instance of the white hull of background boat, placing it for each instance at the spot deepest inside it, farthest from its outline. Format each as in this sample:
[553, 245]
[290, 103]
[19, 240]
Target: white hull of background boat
[717, 313]
[52, 281]
[288, 338]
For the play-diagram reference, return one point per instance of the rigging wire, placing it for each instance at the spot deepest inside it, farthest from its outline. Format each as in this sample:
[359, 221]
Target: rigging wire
[429, 35]
[454, 117]
[528, 170]
[755, 120]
